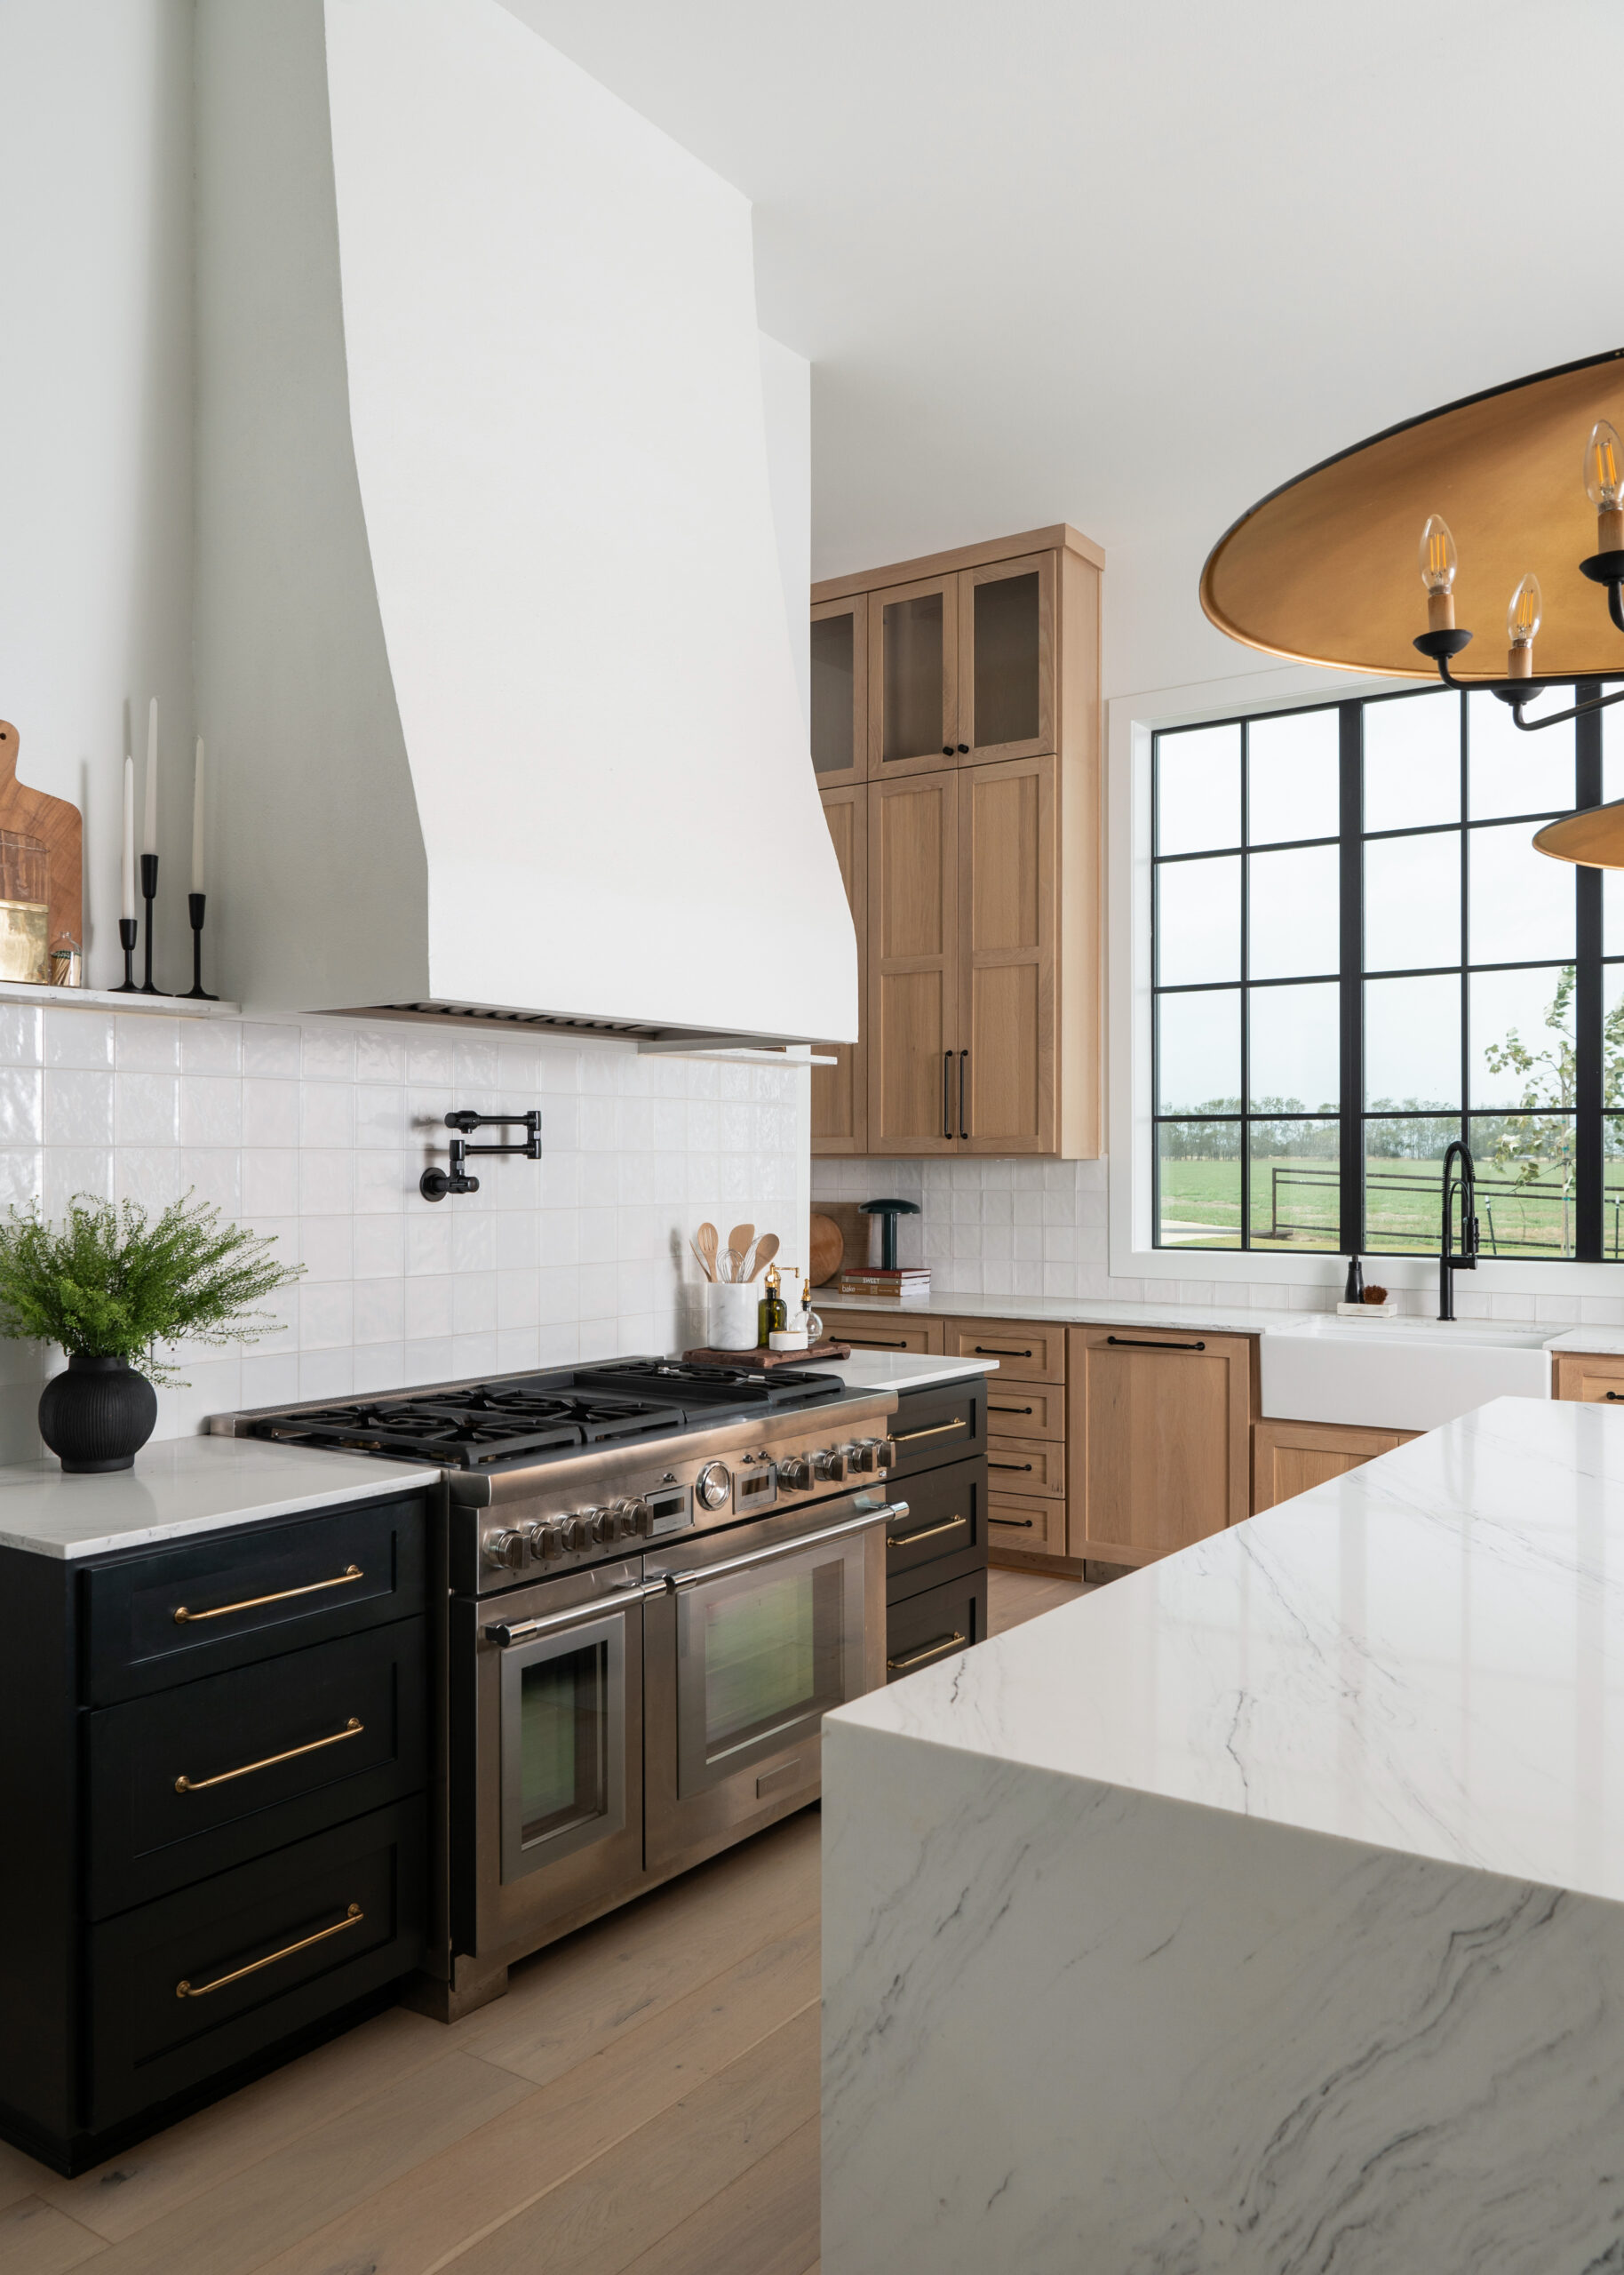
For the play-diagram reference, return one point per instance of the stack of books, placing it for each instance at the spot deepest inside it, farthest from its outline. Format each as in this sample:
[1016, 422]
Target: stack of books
[875, 1279]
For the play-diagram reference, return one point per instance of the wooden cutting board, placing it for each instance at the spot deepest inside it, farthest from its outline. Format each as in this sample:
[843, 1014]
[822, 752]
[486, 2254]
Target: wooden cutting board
[763, 1361]
[60, 829]
[825, 1249]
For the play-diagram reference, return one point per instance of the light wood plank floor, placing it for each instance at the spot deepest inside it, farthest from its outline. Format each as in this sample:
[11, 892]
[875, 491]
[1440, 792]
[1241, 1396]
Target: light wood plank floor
[643, 2102]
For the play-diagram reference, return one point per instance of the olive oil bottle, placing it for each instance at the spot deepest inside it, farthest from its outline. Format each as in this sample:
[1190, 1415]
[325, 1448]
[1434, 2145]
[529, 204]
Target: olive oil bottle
[772, 1315]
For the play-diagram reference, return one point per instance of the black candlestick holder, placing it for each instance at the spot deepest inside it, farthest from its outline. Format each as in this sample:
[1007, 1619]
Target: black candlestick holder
[150, 893]
[126, 941]
[194, 909]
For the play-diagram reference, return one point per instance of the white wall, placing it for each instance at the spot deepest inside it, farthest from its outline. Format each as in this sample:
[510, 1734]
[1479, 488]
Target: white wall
[96, 417]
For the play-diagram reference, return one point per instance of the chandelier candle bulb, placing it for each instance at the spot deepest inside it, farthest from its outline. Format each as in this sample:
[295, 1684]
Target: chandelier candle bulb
[1437, 570]
[1522, 623]
[1604, 485]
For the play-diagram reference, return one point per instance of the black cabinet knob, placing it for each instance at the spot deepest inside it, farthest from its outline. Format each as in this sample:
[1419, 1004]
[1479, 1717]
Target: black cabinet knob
[963, 747]
[947, 750]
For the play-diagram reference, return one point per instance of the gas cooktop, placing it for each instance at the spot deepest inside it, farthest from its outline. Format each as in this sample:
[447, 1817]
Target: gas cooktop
[516, 1418]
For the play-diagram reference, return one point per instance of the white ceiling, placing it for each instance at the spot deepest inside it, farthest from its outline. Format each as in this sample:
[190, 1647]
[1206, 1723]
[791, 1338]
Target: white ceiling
[1132, 265]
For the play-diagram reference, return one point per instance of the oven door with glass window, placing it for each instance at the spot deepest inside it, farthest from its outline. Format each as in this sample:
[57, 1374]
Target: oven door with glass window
[762, 1629]
[557, 1829]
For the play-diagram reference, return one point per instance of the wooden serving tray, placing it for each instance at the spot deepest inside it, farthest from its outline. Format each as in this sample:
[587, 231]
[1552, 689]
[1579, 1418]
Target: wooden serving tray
[764, 1361]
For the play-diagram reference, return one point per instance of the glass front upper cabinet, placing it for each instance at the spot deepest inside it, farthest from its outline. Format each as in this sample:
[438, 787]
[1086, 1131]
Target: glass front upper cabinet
[962, 667]
[840, 692]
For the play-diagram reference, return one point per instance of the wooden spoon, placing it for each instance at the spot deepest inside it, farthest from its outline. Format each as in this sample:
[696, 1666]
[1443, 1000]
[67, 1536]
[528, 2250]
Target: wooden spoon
[766, 1248]
[705, 1249]
[741, 1236]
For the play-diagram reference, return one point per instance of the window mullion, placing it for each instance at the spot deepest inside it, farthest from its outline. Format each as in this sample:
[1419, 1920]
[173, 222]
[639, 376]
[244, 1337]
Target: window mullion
[1589, 1150]
[1351, 1133]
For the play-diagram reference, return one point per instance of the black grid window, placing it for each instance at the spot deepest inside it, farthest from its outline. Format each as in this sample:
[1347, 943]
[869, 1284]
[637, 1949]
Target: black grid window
[1357, 957]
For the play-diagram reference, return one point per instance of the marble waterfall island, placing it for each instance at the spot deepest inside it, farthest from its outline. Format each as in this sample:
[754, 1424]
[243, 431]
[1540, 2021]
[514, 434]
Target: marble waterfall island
[1262, 1913]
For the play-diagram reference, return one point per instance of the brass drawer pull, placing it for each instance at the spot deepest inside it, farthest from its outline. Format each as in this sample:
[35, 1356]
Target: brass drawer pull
[1007, 1409]
[907, 1540]
[942, 1643]
[992, 1351]
[937, 1430]
[351, 1730]
[1146, 1343]
[353, 1917]
[1025, 1523]
[346, 1579]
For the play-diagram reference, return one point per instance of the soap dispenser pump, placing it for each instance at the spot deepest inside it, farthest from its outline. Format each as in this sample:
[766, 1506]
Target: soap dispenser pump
[1354, 1292]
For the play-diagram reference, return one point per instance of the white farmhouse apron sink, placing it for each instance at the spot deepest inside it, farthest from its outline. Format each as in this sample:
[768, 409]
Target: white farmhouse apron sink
[1397, 1374]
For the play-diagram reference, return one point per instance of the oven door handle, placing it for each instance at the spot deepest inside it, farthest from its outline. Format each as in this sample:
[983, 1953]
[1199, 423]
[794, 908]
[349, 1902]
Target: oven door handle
[888, 1510]
[519, 1630]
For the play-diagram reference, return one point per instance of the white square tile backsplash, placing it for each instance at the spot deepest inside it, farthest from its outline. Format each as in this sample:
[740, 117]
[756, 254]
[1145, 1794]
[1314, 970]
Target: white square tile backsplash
[316, 1131]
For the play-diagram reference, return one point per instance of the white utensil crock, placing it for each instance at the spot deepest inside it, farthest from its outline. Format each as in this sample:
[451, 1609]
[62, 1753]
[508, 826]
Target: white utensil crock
[735, 1315]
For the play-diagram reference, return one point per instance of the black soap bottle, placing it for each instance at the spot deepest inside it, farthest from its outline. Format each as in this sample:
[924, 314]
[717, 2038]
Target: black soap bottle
[1354, 1292]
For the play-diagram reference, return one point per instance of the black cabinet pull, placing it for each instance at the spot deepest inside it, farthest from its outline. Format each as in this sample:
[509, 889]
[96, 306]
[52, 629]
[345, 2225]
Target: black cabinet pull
[1612, 1394]
[1144, 1342]
[963, 747]
[947, 1108]
[878, 1342]
[1024, 1524]
[992, 1351]
[1027, 1409]
[947, 750]
[1009, 1464]
[964, 1076]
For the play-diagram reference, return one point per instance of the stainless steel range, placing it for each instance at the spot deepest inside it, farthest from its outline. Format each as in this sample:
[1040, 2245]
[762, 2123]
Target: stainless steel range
[657, 1579]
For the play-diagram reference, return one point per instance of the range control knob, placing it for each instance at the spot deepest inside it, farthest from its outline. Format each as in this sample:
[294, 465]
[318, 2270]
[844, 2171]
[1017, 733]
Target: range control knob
[885, 1453]
[860, 1453]
[605, 1525]
[505, 1550]
[634, 1516]
[577, 1532]
[796, 1472]
[830, 1465]
[714, 1485]
[546, 1543]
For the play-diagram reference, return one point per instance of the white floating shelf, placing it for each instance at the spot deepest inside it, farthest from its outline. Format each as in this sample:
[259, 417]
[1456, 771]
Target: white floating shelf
[114, 999]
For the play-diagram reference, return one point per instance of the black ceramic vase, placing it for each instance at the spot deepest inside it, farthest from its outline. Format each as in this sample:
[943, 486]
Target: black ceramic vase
[98, 1416]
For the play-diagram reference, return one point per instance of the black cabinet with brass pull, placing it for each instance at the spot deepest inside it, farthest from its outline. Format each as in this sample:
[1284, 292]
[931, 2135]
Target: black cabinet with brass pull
[939, 1547]
[213, 1760]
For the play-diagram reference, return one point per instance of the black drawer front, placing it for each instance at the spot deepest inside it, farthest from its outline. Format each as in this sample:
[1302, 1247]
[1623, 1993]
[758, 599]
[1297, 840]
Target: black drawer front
[947, 1515]
[176, 1613]
[267, 1755]
[934, 1625]
[933, 1426]
[335, 1917]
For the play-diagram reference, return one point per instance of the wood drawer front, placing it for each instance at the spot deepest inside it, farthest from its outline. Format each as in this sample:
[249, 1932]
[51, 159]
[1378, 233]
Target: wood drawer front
[934, 1625]
[1017, 1410]
[1027, 1353]
[1025, 1465]
[249, 1595]
[1030, 1527]
[1595, 1376]
[883, 1331]
[1292, 1457]
[947, 1515]
[299, 1743]
[933, 1426]
[147, 2042]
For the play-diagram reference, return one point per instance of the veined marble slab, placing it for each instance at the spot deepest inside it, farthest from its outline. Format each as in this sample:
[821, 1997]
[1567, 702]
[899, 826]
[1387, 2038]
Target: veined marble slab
[1262, 1912]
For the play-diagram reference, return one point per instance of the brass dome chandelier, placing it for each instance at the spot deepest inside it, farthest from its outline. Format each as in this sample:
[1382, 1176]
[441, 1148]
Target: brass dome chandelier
[1309, 572]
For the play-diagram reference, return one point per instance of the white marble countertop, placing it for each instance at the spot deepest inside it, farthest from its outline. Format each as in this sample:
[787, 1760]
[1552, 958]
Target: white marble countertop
[181, 1486]
[1426, 1654]
[901, 1371]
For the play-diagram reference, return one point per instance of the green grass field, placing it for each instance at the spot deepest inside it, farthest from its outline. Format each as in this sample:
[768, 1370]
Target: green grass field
[1201, 1208]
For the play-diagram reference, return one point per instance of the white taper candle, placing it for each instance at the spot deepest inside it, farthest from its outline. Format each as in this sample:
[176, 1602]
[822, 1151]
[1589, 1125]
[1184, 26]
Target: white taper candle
[197, 821]
[149, 840]
[127, 903]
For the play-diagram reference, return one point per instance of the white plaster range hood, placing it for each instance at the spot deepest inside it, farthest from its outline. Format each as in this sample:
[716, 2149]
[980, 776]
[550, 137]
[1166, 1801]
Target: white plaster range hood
[493, 659]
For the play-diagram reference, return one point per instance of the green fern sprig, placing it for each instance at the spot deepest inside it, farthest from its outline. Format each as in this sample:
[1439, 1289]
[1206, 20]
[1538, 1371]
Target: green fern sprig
[107, 1283]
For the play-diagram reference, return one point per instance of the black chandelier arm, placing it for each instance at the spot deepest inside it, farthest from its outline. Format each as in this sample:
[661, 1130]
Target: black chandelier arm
[1615, 603]
[1516, 692]
[1557, 718]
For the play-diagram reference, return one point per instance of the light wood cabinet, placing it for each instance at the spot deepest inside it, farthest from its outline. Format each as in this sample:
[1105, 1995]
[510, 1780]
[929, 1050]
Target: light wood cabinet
[840, 692]
[840, 1093]
[883, 1331]
[1159, 1440]
[981, 1026]
[1596, 1376]
[1019, 1527]
[1025, 1465]
[1020, 1410]
[1289, 1457]
[1025, 1351]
